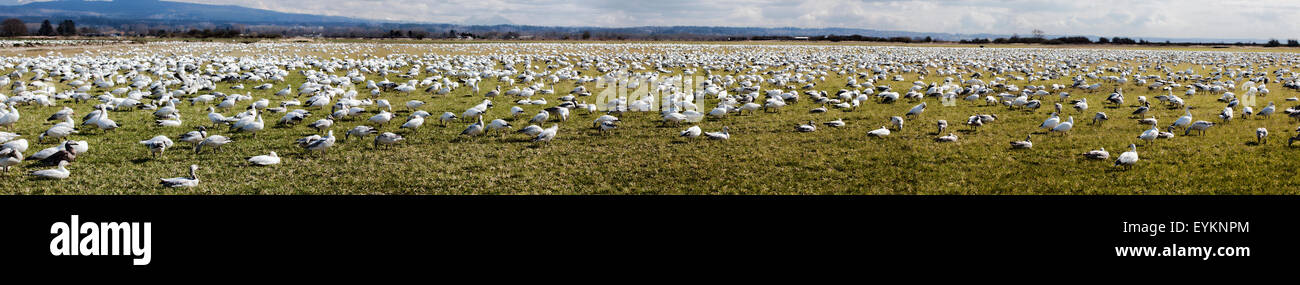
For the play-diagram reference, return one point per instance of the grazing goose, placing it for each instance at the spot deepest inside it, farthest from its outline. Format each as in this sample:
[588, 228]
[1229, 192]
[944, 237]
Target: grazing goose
[516, 111]
[1027, 143]
[1064, 128]
[10, 157]
[157, 145]
[318, 143]
[7, 136]
[322, 124]
[1226, 115]
[1100, 118]
[360, 132]
[1265, 112]
[1199, 126]
[548, 134]
[264, 160]
[975, 122]
[387, 138]
[382, 118]
[835, 124]
[1150, 135]
[1183, 121]
[540, 117]
[252, 127]
[446, 117]
[607, 126]
[1051, 122]
[414, 122]
[1099, 154]
[1142, 110]
[191, 181]
[215, 142]
[1082, 105]
[881, 132]
[916, 111]
[943, 125]
[897, 122]
[1261, 135]
[59, 132]
[948, 138]
[414, 104]
[692, 132]
[498, 125]
[723, 135]
[195, 137]
[65, 113]
[1128, 158]
[19, 144]
[218, 118]
[818, 110]
[60, 172]
[530, 130]
[806, 128]
[1148, 121]
[602, 119]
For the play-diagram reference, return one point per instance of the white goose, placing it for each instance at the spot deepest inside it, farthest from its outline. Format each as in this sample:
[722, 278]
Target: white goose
[10, 157]
[948, 138]
[1025, 144]
[1128, 158]
[157, 145]
[1064, 127]
[60, 172]
[806, 128]
[723, 135]
[548, 134]
[215, 141]
[264, 160]
[387, 138]
[191, 181]
[692, 132]
[881, 132]
[1098, 154]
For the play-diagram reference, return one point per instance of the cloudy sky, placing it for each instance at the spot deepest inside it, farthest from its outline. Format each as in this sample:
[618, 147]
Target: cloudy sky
[1153, 18]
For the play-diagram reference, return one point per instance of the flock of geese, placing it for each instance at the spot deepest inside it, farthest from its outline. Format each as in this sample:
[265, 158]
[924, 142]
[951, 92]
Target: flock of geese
[169, 79]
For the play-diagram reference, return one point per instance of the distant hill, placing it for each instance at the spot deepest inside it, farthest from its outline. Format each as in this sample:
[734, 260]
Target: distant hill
[161, 11]
[156, 13]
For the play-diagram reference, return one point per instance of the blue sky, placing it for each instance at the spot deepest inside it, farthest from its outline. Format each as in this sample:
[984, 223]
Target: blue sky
[1154, 18]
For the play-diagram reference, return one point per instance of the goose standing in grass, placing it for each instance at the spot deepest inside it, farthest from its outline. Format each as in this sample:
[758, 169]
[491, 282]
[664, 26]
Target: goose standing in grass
[1226, 115]
[215, 142]
[414, 122]
[1261, 136]
[541, 117]
[1265, 112]
[474, 129]
[692, 132]
[8, 119]
[1100, 118]
[1142, 110]
[1082, 105]
[1064, 128]
[60, 172]
[10, 157]
[1183, 121]
[1199, 126]
[196, 136]
[1128, 158]
[897, 122]
[59, 132]
[723, 135]
[530, 130]
[1025, 144]
[252, 127]
[191, 181]
[975, 122]
[943, 125]
[65, 113]
[360, 132]
[264, 160]
[806, 128]
[1051, 122]
[382, 118]
[948, 138]
[414, 104]
[881, 132]
[916, 111]
[548, 134]
[516, 111]
[217, 118]
[498, 125]
[387, 138]
[602, 119]
[835, 124]
[157, 145]
[1098, 154]
[318, 143]
[1150, 135]
[607, 126]
[446, 117]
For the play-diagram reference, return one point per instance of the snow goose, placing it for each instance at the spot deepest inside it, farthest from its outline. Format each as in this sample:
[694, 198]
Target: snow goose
[1064, 128]
[602, 119]
[157, 145]
[1025, 144]
[57, 132]
[916, 111]
[196, 136]
[387, 138]
[607, 126]
[516, 111]
[1098, 154]
[382, 118]
[319, 143]
[806, 128]
[217, 118]
[475, 129]
[948, 138]
[1128, 158]
[1199, 126]
[1150, 135]
[60, 172]
[897, 122]
[1226, 115]
[881, 132]
[7, 136]
[1051, 122]
[498, 125]
[530, 130]
[360, 132]
[1183, 121]
[252, 127]
[723, 135]
[975, 122]
[8, 119]
[414, 122]
[19, 144]
[1265, 112]
[540, 117]
[10, 157]
[548, 134]
[692, 132]
[215, 141]
[446, 117]
[1099, 118]
[943, 125]
[838, 122]
[264, 160]
[191, 181]
[1148, 121]
[1261, 135]
[62, 114]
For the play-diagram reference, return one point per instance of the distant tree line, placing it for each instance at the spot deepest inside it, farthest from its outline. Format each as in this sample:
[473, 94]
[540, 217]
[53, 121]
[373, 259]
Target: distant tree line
[13, 27]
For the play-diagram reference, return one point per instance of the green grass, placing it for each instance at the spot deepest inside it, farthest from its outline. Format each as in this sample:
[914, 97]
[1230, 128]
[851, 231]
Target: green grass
[764, 155]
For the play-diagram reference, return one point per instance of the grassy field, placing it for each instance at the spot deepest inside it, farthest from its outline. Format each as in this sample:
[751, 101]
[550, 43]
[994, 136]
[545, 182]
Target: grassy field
[763, 156]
